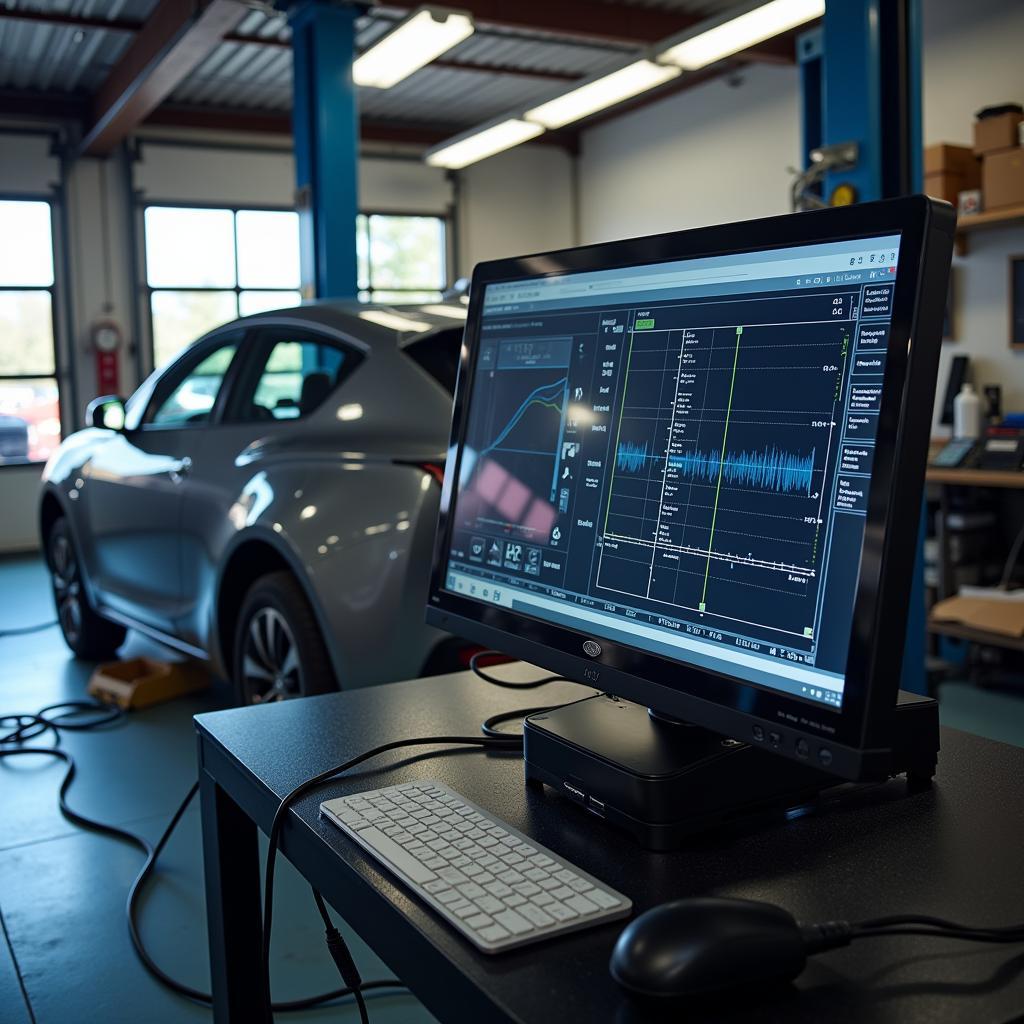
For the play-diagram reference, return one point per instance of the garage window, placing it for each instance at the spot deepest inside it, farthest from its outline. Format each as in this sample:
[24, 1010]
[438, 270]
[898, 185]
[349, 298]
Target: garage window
[206, 266]
[29, 400]
[402, 258]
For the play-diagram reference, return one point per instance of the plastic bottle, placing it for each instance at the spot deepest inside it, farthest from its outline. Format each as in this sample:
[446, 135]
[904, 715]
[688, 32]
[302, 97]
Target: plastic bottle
[967, 413]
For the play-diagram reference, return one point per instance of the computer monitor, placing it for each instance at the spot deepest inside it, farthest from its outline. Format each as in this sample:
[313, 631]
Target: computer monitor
[688, 469]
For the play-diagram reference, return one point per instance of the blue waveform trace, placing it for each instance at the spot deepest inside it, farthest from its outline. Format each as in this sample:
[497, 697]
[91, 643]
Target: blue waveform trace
[772, 469]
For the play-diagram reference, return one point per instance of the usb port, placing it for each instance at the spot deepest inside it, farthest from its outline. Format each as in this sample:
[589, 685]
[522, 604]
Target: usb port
[595, 806]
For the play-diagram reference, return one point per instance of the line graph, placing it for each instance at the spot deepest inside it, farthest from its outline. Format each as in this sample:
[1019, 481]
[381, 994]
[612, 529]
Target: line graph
[771, 469]
[551, 396]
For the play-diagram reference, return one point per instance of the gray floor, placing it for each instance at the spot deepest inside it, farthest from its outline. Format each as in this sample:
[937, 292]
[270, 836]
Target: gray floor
[65, 957]
[64, 951]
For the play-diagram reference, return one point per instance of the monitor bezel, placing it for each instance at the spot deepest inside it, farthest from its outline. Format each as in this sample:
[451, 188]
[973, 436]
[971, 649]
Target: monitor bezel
[863, 725]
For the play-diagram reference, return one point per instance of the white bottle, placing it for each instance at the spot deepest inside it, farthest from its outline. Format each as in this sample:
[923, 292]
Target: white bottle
[967, 414]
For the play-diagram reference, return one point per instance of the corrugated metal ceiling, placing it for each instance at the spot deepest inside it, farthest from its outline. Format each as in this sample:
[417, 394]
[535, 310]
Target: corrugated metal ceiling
[60, 59]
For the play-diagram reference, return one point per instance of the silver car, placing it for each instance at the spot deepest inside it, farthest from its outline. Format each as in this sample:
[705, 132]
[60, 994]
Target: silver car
[266, 501]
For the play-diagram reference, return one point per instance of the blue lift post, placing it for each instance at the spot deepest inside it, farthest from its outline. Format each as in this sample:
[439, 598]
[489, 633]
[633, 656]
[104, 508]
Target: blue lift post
[860, 73]
[325, 124]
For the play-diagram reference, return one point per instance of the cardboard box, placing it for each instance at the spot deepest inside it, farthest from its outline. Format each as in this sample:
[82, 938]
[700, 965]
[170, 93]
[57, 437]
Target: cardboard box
[1002, 178]
[944, 185]
[944, 158]
[991, 614]
[998, 132]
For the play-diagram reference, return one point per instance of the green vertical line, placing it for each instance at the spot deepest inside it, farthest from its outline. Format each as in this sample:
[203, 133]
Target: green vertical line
[618, 432]
[721, 462]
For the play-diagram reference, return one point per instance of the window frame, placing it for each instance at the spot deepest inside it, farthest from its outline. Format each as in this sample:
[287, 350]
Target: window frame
[58, 312]
[261, 339]
[447, 256]
[148, 290]
[178, 370]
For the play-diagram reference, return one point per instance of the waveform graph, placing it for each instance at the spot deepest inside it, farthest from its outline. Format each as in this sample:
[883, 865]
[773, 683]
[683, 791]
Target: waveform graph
[734, 466]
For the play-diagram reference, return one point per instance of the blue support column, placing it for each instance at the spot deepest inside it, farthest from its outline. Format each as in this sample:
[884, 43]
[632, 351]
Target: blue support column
[325, 124]
[870, 93]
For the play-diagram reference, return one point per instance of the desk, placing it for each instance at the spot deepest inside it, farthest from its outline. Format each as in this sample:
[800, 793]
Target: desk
[954, 851]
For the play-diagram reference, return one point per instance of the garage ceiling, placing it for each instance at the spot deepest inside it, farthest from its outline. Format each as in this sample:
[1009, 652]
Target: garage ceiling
[56, 55]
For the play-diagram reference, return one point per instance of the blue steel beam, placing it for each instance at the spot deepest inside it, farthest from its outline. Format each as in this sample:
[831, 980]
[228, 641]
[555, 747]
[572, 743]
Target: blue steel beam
[325, 122]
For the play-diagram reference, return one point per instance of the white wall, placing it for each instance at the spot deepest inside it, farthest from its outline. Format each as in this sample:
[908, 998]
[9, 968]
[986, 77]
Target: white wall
[717, 153]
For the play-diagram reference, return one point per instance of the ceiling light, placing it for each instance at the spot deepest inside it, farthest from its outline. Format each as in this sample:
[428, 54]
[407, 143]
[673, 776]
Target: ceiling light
[452, 312]
[602, 92]
[468, 149]
[738, 32]
[393, 320]
[413, 42]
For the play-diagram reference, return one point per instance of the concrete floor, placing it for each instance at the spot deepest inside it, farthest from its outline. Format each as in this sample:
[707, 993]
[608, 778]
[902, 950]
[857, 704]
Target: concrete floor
[65, 957]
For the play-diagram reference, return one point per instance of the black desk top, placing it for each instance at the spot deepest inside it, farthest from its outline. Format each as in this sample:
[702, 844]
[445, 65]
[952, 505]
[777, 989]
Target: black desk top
[956, 851]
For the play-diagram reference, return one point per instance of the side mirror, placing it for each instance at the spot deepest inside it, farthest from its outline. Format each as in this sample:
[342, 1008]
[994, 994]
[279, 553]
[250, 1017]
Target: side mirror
[106, 413]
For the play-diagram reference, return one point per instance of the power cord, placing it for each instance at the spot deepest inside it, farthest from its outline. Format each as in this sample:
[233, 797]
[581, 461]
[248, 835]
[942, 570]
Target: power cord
[508, 684]
[26, 630]
[81, 716]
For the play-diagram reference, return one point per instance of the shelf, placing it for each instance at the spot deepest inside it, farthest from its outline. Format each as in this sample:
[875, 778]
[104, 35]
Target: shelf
[978, 636]
[1010, 479]
[981, 221]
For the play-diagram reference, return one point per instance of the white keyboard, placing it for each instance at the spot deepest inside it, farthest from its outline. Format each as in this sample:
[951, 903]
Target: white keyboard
[498, 888]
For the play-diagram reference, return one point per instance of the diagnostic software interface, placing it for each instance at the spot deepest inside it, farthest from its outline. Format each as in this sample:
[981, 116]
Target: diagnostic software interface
[677, 456]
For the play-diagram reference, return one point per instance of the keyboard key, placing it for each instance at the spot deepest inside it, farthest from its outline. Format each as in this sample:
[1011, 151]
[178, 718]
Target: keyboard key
[436, 886]
[495, 933]
[535, 874]
[452, 875]
[510, 877]
[472, 891]
[488, 904]
[535, 915]
[394, 854]
[580, 885]
[604, 900]
[513, 921]
[581, 904]
[479, 921]
[526, 888]
[560, 912]
[563, 892]
[541, 899]
[499, 889]
[449, 896]
[515, 900]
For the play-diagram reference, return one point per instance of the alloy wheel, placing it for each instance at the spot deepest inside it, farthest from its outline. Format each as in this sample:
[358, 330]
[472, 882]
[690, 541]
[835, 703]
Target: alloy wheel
[271, 669]
[67, 586]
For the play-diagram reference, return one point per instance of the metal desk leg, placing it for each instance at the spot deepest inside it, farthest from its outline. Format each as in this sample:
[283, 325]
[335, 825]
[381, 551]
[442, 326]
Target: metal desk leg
[233, 914]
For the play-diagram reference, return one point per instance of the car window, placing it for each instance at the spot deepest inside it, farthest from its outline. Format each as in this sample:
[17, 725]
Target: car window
[192, 399]
[438, 354]
[297, 376]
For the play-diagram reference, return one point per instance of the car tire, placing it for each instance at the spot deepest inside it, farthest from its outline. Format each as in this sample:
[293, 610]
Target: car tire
[88, 634]
[279, 652]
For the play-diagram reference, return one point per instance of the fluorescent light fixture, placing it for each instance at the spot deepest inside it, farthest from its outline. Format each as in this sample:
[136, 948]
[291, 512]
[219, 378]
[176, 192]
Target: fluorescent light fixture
[393, 320]
[729, 36]
[413, 42]
[602, 92]
[468, 149]
[452, 312]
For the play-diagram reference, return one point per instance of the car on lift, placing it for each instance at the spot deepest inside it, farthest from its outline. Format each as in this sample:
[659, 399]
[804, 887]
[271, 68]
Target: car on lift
[267, 501]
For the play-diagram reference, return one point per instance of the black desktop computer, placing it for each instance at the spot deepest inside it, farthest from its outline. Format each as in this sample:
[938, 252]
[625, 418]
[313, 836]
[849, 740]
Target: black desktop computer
[688, 470]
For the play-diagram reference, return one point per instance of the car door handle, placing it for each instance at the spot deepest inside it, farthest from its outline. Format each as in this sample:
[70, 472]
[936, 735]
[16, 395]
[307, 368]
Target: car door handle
[183, 468]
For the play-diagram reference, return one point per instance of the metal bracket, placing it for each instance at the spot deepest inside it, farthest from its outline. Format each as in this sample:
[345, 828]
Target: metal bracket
[840, 157]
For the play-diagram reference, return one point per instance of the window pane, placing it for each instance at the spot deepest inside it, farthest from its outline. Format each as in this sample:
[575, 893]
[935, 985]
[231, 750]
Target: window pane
[399, 297]
[193, 399]
[189, 248]
[179, 318]
[29, 420]
[261, 302]
[268, 249]
[26, 244]
[406, 252]
[363, 250]
[298, 376]
[26, 332]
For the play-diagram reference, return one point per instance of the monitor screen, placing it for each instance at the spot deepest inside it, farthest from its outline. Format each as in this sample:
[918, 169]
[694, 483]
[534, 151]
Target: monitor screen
[676, 457]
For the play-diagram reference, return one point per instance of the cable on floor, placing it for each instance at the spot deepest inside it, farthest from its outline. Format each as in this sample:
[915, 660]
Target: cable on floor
[26, 630]
[82, 716]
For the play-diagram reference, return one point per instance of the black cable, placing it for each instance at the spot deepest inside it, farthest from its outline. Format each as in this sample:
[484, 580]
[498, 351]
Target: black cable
[489, 726]
[26, 630]
[342, 957]
[474, 667]
[494, 743]
[12, 744]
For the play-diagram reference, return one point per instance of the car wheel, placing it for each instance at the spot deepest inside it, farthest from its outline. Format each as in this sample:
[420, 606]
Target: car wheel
[88, 635]
[279, 652]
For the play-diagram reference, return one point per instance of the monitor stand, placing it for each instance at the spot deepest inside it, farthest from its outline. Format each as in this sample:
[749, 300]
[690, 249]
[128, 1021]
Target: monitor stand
[663, 780]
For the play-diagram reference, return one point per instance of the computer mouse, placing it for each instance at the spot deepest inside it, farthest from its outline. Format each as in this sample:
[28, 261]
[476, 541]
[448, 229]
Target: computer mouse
[700, 946]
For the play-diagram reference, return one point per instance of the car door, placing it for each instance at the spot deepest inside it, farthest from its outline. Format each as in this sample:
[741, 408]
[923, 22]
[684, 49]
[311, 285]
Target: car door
[133, 489]
[284, 374]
